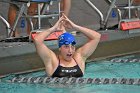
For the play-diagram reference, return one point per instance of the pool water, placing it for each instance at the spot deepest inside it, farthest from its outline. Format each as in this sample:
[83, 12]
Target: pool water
[107, 69]
[119, 67]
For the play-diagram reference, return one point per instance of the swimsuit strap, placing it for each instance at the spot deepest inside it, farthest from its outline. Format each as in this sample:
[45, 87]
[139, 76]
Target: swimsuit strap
[75, 61]
[58, 60]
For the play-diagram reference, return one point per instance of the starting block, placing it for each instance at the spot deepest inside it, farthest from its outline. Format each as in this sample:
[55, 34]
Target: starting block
[129, 25]
[52, 36]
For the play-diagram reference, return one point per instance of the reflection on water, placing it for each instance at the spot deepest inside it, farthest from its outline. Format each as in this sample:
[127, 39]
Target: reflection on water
[108, 68]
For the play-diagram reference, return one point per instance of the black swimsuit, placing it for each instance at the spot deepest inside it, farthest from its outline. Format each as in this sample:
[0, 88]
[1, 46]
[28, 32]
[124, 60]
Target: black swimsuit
[74, 71]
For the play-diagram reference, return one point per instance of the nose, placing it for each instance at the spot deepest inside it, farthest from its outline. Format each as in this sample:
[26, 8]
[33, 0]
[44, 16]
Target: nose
[70, 49]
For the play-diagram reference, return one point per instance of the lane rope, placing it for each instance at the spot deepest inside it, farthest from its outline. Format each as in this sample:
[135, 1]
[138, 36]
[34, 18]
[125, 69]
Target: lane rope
[73, 80]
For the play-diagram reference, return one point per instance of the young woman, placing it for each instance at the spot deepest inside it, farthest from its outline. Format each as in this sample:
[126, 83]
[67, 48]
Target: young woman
[69, 62]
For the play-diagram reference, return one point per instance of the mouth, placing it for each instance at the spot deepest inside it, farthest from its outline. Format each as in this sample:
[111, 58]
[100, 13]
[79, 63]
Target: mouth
[69, 55]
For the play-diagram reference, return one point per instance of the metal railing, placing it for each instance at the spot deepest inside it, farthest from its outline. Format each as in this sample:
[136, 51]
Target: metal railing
[24, 4]
[112, 5]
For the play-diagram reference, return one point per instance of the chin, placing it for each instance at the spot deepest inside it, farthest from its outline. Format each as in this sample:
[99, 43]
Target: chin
[68, 59]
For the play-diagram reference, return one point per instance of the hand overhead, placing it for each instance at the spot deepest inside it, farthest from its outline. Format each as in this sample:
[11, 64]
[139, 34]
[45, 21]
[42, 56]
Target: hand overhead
[68, 23]
[58, 25]
[63, 22]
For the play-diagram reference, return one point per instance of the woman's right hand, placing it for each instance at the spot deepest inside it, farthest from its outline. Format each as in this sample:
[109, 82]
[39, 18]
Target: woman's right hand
[68, 23]
[58, 25]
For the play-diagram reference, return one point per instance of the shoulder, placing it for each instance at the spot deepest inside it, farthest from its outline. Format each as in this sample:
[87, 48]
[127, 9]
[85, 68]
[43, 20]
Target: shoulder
[78, 55]
[50, 60]
[52, 64]
[79, 59]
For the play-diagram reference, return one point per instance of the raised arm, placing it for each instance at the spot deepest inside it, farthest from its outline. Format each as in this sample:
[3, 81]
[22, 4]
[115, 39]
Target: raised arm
[93, 38]
[44, 52]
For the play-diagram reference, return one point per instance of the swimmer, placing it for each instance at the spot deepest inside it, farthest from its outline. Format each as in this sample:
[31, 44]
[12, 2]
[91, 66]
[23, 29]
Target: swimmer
[70, 62]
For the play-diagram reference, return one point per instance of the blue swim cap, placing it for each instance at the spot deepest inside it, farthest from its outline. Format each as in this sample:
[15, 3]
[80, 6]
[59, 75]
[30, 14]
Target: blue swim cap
[66, 39]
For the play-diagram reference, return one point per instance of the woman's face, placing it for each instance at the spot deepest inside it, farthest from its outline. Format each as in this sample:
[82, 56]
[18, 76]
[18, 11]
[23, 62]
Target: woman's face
[67, 51]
